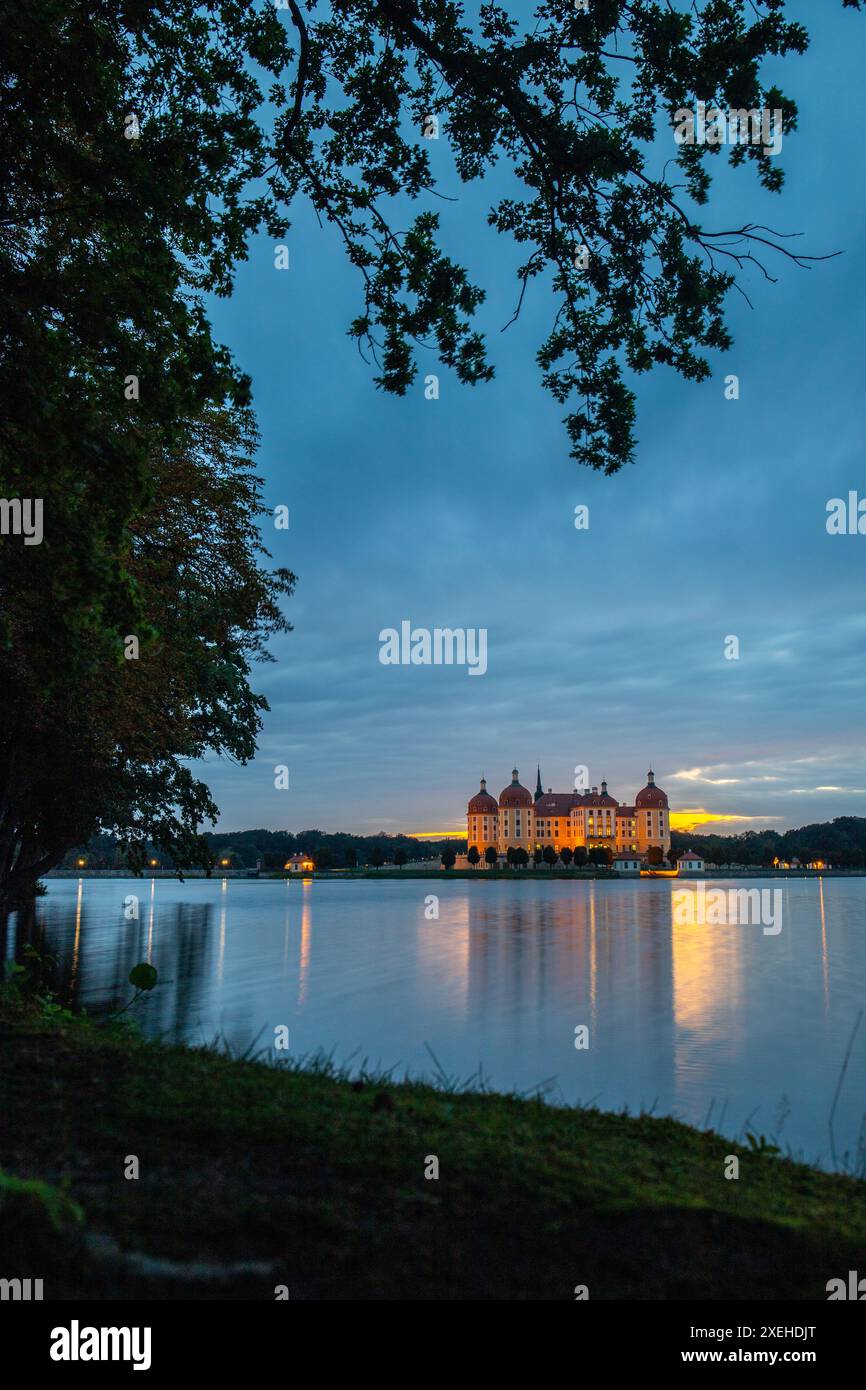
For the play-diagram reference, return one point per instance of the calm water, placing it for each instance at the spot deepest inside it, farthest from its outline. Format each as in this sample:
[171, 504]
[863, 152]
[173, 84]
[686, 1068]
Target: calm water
[693, 1021]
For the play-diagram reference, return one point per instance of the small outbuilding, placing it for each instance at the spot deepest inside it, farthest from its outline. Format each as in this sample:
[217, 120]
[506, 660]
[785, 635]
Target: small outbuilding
[627, 863]
[690, 863]
[299, 864]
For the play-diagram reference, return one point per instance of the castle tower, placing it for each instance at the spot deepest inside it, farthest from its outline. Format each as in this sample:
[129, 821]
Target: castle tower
[482, 820]
[516, 817]
[653, 817]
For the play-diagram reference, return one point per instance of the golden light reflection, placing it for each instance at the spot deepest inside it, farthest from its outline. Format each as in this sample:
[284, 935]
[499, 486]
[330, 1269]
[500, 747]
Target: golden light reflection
[221, 947]
[150, 921]
[593, 956]
[306, 938]
[287, 933]
[825, 959]
[444, 948]
[76, 947]
[221, 950]
[706, 976]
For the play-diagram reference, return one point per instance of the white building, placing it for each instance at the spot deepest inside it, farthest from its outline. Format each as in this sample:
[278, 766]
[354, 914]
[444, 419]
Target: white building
[691, 863]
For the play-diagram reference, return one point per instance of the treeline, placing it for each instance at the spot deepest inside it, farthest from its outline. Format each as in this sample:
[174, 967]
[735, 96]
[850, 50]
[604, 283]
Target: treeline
[842, 842]
[244, 849]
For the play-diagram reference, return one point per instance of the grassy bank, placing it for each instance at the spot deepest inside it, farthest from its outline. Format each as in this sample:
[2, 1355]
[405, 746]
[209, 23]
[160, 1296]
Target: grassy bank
[254, 1176]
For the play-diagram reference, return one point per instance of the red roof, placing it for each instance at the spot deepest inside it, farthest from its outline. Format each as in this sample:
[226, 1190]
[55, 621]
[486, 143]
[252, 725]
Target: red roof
[514, 795]
[555, 803]
[651, 796]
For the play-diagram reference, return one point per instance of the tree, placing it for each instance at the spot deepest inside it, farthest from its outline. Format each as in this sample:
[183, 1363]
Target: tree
[400, 857]
[377, 858]
[109, 745]
[323, 857]
[537, 855]
[473, 856]
[491, 854]
[145, 144]
[572, 103]
[565, 855]
[521, 858]
[511, 856]
[351, 857]
[449, 858]
[550, 856]
[654, 856]
[580, 856]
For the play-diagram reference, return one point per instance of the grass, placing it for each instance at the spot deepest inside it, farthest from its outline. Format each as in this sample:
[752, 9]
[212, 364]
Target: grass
[254, 1176]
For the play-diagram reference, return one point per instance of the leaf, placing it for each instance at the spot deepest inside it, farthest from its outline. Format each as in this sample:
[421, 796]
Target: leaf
[143, 976]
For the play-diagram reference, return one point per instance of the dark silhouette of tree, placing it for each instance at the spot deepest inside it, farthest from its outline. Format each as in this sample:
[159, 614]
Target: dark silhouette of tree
[565, 855]
[400, 857]
[550, 856]
[580, 856]
[473, 856]
[377, 858]
[491, 854]
[449, 858]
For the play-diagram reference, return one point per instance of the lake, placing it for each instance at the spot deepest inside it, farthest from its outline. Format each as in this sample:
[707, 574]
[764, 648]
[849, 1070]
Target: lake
[723, 1026]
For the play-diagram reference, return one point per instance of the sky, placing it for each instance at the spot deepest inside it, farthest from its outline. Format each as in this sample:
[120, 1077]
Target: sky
[605, 646]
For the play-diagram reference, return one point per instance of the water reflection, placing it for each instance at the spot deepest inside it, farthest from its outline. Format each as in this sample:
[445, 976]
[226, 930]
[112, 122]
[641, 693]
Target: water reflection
[95, 951]
[681, 1018]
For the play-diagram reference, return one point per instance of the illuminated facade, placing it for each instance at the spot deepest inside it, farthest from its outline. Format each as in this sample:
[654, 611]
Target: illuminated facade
[566, 820]
[299, 864]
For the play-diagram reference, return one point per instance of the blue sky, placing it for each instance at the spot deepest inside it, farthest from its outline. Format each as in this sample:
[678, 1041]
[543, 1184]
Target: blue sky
[605, 646]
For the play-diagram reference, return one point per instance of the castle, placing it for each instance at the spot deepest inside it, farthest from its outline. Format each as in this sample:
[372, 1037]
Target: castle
[565, 820]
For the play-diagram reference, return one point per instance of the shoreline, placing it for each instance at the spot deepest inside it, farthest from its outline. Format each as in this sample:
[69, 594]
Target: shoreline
[256, 1177]
[440, 875]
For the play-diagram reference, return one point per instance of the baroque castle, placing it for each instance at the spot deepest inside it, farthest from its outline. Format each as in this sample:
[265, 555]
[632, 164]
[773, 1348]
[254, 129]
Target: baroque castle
[565, 820]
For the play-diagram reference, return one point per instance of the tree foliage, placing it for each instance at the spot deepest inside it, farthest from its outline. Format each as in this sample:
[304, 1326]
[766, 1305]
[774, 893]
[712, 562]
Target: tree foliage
[110, 741]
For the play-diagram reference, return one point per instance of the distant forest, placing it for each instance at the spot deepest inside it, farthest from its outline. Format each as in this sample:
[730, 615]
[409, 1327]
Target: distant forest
[271, 848]
[842, 842]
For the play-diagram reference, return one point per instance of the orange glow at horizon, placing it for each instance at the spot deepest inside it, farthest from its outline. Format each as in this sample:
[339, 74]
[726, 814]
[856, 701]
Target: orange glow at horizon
[690, 820]
[436, 834]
